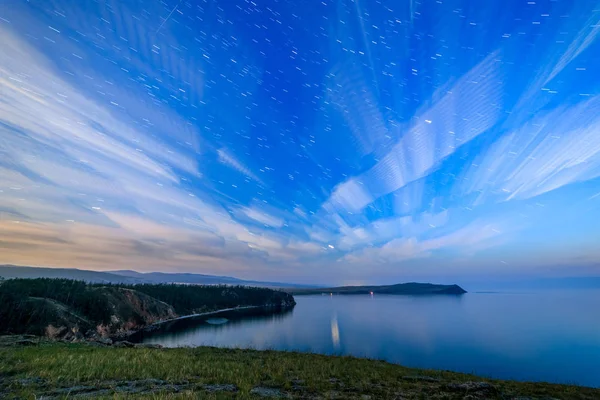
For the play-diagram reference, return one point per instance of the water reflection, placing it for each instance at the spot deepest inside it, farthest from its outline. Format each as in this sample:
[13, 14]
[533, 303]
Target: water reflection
[183, 332]
[512, 336]
[335, 332]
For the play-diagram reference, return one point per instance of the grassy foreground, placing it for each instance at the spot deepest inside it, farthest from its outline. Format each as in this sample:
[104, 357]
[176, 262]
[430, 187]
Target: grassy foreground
[60, 370]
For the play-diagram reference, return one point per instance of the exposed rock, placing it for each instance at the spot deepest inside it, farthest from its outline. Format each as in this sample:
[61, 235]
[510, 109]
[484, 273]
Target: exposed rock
[336, 382]
[479, 387]
[106, 341]
[138, 387]
[147, 346]
[421, 378]
[532, 398]
[124, 343]
[227, 387]
[37, 381]
[269, 392]
[73, 390]
[298, 385]
[77, 335]
[53, 332]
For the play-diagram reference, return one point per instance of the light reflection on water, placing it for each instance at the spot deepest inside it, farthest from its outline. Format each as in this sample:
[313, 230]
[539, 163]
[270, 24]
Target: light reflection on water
[544, 336]
[335, 332]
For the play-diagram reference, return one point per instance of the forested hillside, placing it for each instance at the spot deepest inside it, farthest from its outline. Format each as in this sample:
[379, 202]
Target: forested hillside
[59, 306]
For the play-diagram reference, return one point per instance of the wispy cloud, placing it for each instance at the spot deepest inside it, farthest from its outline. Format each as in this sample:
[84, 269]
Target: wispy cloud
[122, 143]
[99, 191]
[584, 38]
[549, 152]
[263, 217]
[467, 240]
[459, 113]
[226, 158]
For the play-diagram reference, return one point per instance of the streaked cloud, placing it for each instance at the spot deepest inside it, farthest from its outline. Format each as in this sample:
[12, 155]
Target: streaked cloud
[263, 218]
[232, 162]
[375, 143]
[551, 151]
[470, 239]
[459, 113]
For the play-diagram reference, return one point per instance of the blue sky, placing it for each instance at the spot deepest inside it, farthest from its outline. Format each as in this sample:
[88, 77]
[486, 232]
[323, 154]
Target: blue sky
[332, 142]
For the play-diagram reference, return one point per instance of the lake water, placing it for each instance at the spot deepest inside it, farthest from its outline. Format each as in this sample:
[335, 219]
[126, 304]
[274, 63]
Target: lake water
[545, 336]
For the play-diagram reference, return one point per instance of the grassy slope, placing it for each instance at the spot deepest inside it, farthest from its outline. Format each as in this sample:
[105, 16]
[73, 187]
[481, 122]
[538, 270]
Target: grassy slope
[294, 374]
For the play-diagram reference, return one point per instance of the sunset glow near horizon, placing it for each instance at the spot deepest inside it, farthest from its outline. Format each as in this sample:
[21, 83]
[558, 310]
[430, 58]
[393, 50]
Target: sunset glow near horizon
[341, 141]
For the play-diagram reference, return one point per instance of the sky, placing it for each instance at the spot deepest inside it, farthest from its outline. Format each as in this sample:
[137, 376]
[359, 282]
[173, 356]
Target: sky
[346, 142]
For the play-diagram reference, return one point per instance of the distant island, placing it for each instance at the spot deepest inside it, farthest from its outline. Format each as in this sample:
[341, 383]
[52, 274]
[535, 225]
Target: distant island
[77, 310]
[411, 288]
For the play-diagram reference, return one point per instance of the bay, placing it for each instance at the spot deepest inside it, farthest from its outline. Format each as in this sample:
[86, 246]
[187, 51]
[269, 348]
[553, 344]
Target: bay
[543, 336]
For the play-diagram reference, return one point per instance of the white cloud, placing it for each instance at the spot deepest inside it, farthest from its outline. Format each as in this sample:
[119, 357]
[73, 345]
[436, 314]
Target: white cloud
[351, 94]
[580, 30]
[466, 241]
[460, 113]
[104, 192]
[395, 251]
[350, 195]
[263, 217]
[584, 38]
[299, 212]
[226, 158]
[549, 152]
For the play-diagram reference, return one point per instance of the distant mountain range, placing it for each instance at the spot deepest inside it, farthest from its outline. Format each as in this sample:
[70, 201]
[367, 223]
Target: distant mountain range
[411, 288]
[134, 277]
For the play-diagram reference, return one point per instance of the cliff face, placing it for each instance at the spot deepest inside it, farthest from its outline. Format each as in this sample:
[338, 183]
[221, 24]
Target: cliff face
[132, 310]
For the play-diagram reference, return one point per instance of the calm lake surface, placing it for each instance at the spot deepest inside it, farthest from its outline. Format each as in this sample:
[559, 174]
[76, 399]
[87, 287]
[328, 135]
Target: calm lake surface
[544, 336]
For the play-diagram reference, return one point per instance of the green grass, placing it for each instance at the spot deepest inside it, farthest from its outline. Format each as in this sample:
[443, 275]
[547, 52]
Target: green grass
[32, 371]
